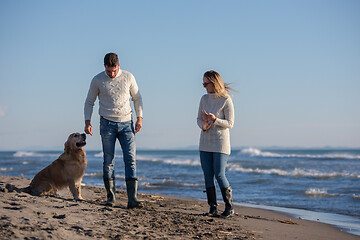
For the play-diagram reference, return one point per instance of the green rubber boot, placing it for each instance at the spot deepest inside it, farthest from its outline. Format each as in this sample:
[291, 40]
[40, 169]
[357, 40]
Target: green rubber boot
[131, 187]
[110, 191]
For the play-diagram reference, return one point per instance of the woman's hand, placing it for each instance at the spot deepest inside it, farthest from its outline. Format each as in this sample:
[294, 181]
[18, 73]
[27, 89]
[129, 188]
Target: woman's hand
[206, 125]
[207, 116]
[208, 119]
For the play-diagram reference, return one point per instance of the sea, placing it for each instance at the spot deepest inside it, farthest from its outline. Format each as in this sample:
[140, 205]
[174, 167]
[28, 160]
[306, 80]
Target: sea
[315, 184]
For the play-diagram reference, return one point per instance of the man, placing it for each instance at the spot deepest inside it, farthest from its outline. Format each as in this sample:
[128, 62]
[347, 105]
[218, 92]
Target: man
[114, 87]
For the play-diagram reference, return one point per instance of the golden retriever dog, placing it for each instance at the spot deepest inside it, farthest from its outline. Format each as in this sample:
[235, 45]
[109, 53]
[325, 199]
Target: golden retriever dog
[67, 170]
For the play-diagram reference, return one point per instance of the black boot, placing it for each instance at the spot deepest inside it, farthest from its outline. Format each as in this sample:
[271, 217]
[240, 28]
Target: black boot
[228, 199]
[211, 197]
[110, 191]
[131, 187]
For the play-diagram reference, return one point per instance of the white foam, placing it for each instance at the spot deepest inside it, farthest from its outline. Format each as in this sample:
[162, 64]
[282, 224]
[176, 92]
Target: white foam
[171, 161]
[6, 169]
[33, 154]
[187, 162]
[25, 154]
[297, 172]
[356, 196]
[148, 158]
[256, 152]
[253, 152]
[235, 167]
[167, 182]
[93, 174]
[100, 154]
[148, 185]
[316, 192]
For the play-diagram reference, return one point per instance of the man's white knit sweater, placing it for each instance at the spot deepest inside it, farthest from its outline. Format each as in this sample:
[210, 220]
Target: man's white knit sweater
[114, 97]
[217, 137]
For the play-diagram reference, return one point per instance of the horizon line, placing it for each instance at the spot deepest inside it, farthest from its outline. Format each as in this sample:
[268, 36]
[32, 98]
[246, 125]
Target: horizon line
[191, 148]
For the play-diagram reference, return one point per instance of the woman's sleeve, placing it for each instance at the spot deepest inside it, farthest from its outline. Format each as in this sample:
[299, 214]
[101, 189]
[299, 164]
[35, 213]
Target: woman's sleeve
[199, 118]
[228, 122]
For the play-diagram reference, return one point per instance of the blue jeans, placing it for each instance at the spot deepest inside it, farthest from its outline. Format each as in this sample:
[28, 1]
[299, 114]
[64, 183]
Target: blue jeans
[124, 132]
[213, 165]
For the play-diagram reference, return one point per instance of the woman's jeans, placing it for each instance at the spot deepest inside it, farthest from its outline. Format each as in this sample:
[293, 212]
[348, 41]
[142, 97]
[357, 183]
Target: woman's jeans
[124, 132]
[213, 165]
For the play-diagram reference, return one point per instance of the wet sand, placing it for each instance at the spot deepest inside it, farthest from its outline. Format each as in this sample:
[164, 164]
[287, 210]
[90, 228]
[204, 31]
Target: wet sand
[23, 216]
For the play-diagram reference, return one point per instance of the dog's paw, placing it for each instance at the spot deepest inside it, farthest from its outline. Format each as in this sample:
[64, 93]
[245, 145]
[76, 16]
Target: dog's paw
[79, 198]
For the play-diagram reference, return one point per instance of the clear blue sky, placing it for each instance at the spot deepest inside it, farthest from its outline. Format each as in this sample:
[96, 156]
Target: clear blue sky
[295, 65]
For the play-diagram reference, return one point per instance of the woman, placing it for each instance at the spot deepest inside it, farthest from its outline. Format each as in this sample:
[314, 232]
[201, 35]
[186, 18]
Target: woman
[215, 118]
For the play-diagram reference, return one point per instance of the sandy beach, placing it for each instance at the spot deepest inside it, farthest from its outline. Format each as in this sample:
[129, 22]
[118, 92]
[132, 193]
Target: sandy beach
[23, 216]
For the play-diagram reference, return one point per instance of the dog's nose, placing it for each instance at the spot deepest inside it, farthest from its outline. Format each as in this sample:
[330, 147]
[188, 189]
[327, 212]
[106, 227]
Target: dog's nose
[83, 136]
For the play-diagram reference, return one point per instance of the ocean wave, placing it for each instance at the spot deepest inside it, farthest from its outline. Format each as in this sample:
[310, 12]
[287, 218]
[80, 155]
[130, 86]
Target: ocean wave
[28, 162]
[316, 192]
[148, 185]
[168, 183]
[356, 196]
[253, 152]
[93, 174]
[27, 154]
[6, 169]
[147, 158]
[100, 154]
[33, 154]
[297, 172]
[238, 168]
[171, 161]
[187, 162]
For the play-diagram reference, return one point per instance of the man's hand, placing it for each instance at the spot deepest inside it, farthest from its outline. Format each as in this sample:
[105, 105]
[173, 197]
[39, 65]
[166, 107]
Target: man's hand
[88, 127]
[138, 125]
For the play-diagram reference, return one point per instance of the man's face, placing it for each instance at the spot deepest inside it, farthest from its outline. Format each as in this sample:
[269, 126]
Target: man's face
[112, 71]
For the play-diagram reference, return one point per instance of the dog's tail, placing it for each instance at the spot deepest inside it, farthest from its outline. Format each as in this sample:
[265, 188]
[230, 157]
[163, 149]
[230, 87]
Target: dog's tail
[12, 188]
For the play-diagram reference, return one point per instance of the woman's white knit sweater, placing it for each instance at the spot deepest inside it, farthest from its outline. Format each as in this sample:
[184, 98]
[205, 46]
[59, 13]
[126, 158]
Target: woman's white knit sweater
[217, 137]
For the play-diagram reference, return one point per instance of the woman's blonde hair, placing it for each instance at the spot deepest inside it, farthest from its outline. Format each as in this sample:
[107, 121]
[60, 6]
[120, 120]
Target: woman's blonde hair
[221, 89]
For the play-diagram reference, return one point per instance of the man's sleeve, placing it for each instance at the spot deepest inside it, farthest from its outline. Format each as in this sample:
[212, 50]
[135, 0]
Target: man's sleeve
[136, 98]
[90, 100]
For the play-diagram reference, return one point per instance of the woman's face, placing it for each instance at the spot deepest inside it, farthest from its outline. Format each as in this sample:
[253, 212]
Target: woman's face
[208, 85]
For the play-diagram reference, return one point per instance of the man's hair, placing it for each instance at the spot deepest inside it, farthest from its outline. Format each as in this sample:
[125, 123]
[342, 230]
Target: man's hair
[111, 60]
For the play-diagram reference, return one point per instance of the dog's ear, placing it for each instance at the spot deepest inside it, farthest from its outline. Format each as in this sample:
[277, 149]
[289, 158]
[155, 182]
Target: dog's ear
[67, 147]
